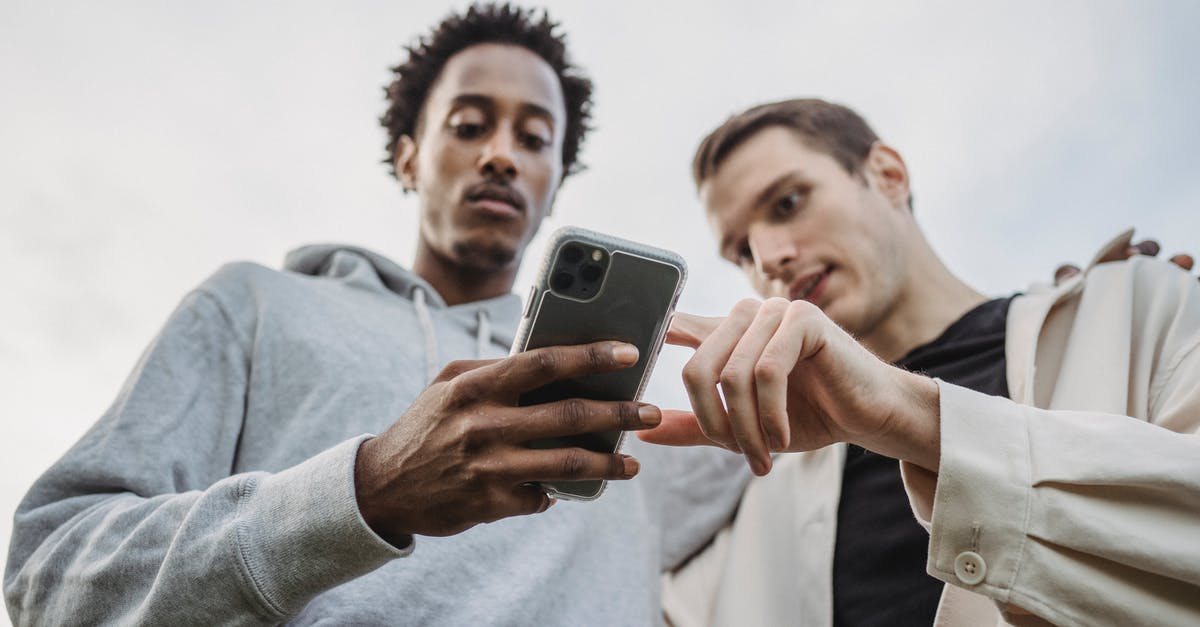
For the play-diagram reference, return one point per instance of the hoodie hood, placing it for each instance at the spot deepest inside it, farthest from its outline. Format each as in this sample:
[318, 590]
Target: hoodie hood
[357, 266]
[495, 319]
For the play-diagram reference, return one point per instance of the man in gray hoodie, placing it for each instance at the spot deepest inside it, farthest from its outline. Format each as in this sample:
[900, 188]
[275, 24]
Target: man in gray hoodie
[236, 478]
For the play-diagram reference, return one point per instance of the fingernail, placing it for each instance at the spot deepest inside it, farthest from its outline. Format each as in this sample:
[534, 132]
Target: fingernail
[625, 353]
[649, 415]
[755, 465]
[550, 503]
[1149, 247]
[631, 466]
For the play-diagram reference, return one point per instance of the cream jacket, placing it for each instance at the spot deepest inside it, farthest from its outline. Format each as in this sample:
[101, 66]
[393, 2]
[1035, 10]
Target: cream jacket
[1077, 504]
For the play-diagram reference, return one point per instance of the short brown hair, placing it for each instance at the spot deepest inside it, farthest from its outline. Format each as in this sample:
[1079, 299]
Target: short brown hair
[831, 128]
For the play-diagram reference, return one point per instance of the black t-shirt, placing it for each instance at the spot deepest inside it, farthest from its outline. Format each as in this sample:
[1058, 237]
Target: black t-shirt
[879, 559]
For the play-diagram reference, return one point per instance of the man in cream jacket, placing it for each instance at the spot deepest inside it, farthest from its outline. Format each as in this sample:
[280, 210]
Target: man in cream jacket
[1075, 500]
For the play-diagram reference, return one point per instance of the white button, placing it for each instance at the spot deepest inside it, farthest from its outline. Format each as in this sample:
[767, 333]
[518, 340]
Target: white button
[970, 567]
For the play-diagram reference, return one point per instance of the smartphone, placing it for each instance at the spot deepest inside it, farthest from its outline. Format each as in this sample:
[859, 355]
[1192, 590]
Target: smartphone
[595, 287]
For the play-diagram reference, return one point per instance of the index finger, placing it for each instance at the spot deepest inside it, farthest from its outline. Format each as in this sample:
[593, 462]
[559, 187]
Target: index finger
[535, 368]
[678, 428]
[689, 330]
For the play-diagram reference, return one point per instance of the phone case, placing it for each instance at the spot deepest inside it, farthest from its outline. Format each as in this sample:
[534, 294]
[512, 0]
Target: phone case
[633, 304]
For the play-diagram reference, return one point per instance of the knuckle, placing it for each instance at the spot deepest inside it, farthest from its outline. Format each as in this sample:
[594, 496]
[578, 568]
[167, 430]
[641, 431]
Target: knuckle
[695, 374]
[733, 375]
[628, 417]
[448, 372]
[776, 304]
[454, 368]
[462, 390]
[474, 478]
[616, 467]
[572, 415]
[573, 464]
[544, 362]
[768, 371]
[598, 355]
[802, 309]
[746, 307]
[472, 433]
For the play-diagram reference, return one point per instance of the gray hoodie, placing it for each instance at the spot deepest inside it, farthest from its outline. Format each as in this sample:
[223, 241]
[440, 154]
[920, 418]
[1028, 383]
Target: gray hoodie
[218, 488]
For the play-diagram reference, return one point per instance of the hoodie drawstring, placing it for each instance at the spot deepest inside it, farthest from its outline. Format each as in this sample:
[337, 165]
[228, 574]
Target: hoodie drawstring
[430, 333]
[483, 335]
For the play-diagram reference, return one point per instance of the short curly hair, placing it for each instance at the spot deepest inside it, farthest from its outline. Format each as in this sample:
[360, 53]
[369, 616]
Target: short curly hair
[486, 23]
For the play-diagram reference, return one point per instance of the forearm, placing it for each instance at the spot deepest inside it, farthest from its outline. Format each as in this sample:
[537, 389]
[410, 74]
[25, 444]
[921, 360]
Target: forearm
[251, 548]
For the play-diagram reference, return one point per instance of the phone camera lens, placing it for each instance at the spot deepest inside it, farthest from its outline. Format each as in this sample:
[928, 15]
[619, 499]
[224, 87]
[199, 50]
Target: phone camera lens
[562, 281]
[591, 273]
[572, 254]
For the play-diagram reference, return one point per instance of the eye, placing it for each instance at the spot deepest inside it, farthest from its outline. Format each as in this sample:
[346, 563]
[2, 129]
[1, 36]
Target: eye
[788, 204]
[533, 142]
[468, 130]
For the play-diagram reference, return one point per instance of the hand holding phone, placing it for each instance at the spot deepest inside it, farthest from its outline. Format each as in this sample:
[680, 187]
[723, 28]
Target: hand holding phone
[595, 287]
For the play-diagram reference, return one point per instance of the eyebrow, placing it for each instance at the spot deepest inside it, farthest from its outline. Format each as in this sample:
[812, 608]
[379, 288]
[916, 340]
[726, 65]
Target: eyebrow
[487, 102]
[780, 182]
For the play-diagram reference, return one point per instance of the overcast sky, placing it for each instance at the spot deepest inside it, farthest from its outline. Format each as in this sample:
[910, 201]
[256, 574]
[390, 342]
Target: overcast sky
[144, 144]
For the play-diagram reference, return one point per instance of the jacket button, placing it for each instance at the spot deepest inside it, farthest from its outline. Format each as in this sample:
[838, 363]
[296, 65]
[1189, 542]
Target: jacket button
[970, 567]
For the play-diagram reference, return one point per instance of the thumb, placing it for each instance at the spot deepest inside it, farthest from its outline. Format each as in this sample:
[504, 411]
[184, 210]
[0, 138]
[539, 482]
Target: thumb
[678, 428]
[689, 330]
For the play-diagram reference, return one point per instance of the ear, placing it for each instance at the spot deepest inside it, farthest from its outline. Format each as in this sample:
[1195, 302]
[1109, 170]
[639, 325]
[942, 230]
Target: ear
[406, 163]
[885, 168]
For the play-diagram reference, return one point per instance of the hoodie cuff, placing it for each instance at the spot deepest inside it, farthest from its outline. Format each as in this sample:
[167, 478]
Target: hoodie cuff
[301, 533]
[976, 506]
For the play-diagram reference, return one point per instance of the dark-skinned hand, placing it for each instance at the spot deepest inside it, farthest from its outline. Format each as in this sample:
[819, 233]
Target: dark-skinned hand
[459, 456]
[1120, 249]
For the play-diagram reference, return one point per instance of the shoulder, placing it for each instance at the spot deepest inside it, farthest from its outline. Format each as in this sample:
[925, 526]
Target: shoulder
[1162, 301]
[1153, 287]
[243, 290]
[1146, 297]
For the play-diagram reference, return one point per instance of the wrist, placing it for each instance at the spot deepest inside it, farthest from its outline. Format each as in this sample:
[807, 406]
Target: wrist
[913, 425]
[364, 487]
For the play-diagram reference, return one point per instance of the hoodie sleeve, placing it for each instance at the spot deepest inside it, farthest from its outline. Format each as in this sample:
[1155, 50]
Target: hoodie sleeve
[142, 521]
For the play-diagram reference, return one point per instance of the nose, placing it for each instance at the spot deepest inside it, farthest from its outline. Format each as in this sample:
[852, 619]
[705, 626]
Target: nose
[498, 159]
[773, 250]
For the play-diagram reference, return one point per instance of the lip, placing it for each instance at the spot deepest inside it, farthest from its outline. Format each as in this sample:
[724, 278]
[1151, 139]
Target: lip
[496, 200]
[797, 288]
[496, 208]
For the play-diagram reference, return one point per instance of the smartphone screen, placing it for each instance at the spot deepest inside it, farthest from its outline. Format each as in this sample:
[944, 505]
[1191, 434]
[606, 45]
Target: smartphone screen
[595, 287]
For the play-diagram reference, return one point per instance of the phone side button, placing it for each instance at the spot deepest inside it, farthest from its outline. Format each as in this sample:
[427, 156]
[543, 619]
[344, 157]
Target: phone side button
[529, 301]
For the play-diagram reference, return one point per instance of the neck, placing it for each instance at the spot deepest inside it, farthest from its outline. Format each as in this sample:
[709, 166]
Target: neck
[457, 283]
[932, 299]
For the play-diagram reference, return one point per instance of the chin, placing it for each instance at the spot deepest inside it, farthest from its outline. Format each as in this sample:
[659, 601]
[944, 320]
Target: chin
[485, 253]
[846, 317]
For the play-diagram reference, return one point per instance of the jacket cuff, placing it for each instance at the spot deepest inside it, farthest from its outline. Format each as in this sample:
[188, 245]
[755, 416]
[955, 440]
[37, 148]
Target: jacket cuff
[977, 505]
[301, 533]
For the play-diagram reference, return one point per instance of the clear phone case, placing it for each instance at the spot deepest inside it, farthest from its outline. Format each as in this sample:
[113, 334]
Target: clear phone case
[632, 302]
